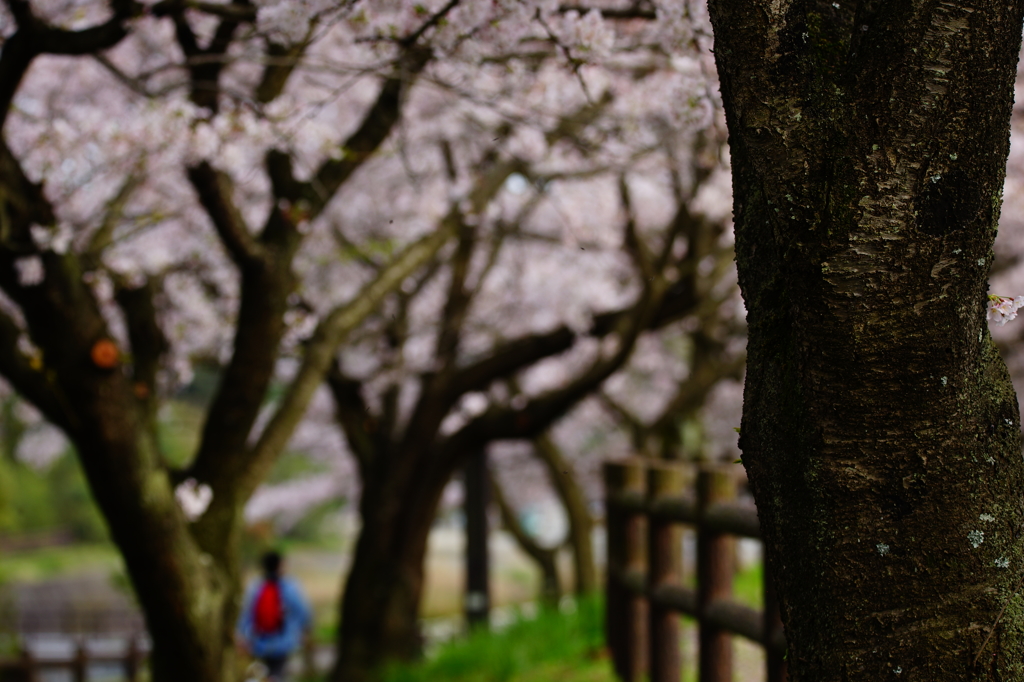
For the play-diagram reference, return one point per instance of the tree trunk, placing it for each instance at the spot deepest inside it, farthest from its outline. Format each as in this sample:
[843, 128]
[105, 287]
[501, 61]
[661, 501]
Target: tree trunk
[381, 598]
[880, 430]
[189, 597]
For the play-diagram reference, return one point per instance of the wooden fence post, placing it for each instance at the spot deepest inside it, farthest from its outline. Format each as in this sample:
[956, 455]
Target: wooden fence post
[715, 559]
[80, 662]
[775, 661]
[475, 499]
[308, 658]
[625, 608]
[132, 658]
[28, 664]
[665, 481]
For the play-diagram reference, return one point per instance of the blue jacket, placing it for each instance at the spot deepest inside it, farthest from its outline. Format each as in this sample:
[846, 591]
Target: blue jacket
[297, 618]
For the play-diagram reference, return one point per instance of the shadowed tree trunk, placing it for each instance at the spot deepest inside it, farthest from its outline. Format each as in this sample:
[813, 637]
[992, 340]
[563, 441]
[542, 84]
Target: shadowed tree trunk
[880, 429]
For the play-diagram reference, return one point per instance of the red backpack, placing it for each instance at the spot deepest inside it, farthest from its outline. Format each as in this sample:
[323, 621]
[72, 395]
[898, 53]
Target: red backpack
[268, 611]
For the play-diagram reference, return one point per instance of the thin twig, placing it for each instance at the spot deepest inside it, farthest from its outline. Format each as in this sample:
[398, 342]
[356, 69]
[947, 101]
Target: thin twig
[410, 40]
[574, 62]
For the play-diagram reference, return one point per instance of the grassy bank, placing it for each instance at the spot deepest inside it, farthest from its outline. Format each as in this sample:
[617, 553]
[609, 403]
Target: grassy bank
[554, 645]
[565, 646]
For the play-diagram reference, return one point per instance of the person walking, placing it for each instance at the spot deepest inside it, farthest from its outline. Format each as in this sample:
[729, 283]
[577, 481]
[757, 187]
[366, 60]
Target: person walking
[275, 616]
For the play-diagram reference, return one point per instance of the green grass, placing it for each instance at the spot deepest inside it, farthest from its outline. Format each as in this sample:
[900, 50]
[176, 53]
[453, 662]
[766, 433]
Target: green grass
[567, 647]
[553, 647]
[54, 562]
[747, 588]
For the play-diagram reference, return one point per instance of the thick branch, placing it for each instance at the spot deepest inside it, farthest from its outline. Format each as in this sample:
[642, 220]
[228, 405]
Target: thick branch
[28, 380]
[353, 414]
[282, 62]
[15, 57]
[459, 297]
[215, 190]
[375, 128]
[148, 342]
[86, 41]
[542, 411]
[517, 354]
[22, 204]
[204, 73]
[235, 12]
[322, 346]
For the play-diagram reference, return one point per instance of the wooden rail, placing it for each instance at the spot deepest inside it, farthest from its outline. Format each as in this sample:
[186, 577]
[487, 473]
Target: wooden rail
[26, 667]
[646, 503]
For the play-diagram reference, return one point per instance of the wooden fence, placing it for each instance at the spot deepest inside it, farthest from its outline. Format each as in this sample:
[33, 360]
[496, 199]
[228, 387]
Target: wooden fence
[646, 503]
[27, 667]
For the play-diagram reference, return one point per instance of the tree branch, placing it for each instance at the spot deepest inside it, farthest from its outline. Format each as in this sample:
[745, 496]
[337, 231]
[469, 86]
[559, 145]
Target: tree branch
[215, 194]
[457, 302]
[235, 12]
[637, 429]
[22, 204]
[635, 246]
[322, 346]
[545, 557]
[625, 13]
[542, 411]
[15, 57]
[575, 503]
[204, 73]
[360, 428]
[148, 342]
[104, 235]
[435, 19]
[28, 380]
[376, 126]
[282, 63]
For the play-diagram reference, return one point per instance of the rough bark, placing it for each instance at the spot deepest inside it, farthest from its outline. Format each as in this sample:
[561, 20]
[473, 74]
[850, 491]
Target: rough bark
[880, 430]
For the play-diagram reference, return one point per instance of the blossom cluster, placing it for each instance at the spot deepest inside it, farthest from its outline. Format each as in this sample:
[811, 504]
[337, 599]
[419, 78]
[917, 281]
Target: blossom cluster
[1002, 309]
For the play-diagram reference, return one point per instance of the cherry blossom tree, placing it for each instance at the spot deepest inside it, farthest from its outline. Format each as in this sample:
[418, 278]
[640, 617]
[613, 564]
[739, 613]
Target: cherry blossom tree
[256, 185]
[128, 132]
[557, 269]
[464, 215]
